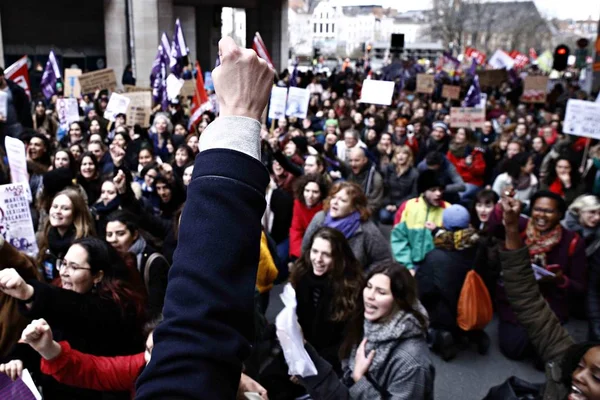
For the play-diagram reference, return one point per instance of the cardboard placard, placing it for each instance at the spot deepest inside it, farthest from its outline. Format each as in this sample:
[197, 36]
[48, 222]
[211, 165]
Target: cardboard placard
[467, 117]
[451, 92]
[377, 92]
[492, 77]
[101, 79]
[278, 100]
[72, 86]
[188, 89]
[425, 83]
[140, 108]
[297, 102]
[131, 88]
[534, 89]
[582, 118]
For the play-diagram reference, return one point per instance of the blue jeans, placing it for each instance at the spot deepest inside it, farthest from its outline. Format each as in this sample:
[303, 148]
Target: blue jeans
[469, 194]
[386, 217]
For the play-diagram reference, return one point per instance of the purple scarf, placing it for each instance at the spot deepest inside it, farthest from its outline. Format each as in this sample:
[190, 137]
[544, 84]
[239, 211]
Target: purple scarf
[347, 225]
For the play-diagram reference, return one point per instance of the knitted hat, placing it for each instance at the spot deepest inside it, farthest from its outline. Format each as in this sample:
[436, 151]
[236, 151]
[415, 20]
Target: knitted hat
[441, 125]
[428, 179]
[456, 217]
[57, 180]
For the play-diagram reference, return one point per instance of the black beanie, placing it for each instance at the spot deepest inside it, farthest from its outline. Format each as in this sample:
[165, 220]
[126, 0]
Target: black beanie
[57, 180]
[428, 179]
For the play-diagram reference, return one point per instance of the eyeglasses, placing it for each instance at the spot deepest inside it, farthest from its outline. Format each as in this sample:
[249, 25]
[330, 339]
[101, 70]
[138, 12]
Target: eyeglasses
[70, 267]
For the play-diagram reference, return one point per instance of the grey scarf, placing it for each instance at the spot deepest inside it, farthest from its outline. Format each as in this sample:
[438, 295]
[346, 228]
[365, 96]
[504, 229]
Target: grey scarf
[383, 337]
[137, 248]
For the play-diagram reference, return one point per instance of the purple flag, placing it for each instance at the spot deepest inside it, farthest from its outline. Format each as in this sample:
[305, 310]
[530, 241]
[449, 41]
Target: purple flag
[158, 75]
[473, 97]
[51, 76]
[178, 50]
[294, 76]
[473, 67]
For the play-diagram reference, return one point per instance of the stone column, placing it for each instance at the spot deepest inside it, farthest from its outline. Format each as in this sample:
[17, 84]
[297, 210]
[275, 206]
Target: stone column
[270, 19]
[1, 46]
[115, 36]
[166, 21]
[208, 32]
[187, 16]
[146, 37]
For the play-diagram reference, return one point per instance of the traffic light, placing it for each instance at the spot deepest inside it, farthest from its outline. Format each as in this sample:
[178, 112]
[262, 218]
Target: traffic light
[316, 53]
[561, 57]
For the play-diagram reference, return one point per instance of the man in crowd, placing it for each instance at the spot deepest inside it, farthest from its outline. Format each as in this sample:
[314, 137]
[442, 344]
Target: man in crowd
[364, 173]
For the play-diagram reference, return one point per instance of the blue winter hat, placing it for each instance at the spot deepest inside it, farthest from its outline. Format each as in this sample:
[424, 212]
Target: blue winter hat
[456, 217]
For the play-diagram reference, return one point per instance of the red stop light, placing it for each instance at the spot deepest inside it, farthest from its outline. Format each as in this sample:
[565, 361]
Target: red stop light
[561, 51]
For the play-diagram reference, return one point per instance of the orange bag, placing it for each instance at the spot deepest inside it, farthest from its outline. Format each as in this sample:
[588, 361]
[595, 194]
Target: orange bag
[474, 304]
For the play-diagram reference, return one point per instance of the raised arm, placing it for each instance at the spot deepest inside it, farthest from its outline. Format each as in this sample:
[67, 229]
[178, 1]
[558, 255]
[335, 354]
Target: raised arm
[208, 311]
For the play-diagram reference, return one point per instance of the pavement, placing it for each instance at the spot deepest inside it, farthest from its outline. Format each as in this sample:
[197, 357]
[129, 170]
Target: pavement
[470, 375]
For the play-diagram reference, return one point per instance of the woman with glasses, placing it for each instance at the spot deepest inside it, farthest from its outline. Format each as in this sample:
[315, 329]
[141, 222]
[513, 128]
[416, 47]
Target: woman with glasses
[94, 309]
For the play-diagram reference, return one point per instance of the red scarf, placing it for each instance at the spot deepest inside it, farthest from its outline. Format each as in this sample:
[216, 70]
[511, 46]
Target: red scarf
[540, 244]
[557, 187]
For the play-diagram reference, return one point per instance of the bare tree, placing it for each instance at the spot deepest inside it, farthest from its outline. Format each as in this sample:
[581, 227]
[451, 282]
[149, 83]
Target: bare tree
[446, 22]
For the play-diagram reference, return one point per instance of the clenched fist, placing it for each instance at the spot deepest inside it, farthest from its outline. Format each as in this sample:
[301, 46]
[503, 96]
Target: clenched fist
[242, 82]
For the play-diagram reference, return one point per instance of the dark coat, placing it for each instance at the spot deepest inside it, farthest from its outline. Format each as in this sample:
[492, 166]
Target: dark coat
[157, 280]
[21, 103]
[399, 188]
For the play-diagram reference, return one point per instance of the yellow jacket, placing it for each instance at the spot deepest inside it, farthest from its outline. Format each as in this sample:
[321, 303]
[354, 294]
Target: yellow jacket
[267, 272]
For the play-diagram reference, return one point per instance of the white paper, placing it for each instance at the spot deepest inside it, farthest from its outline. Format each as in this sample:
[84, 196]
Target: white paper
[174, 86]
[483, 101]
[598, 98]
[277, 103]
[16, 225]
[117, 104]
[27, 380]
[377, 92]
[582, 119]
[540, 272]
[297, 102]
[3, 103]
[501, 60]
[290, 337]
[17, 161]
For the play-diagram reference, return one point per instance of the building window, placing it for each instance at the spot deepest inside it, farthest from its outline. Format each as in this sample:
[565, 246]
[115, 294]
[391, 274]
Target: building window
[321, 28]
[327, 28]
[332, 28]
[315, 28]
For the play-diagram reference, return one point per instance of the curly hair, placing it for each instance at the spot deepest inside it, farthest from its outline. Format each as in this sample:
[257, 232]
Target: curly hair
[304, 180]
[344, 276]
[358, 200]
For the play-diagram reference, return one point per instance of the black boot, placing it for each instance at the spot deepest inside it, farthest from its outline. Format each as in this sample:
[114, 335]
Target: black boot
[444, 345]
[483, 342]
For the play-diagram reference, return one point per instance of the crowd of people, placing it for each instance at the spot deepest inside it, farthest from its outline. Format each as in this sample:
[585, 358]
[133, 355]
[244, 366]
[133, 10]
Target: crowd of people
[165, 236]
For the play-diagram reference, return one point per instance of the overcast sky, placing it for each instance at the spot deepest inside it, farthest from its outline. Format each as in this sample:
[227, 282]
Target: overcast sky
[577, 9]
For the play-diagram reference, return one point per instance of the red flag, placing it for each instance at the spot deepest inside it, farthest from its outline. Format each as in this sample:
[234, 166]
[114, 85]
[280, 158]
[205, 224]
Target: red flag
[521, 60]
[476, 54]
[19, 74]
[532, 54]
[261, 49]
[201, 102]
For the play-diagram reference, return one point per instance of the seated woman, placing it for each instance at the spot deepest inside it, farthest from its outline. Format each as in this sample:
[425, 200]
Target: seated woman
[123, 234]
[106, 374]
[570, 368]
[400, 183]
[553, 248]
[564, 180]
[518, 175]
[469, 163]
[583, 218]
[385, 352]
[310, 191]
[346, 210]
[94, 309]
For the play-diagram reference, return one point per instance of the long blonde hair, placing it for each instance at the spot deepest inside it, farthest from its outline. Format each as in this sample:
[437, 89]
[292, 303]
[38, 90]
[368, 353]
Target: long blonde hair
[82, 220]
[410, 162]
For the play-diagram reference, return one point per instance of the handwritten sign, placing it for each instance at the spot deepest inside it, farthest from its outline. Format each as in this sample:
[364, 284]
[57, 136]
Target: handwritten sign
[16, 225]
[534, 89]
[140, 108]
[451, 92]
[297, 102]
[492, 77]
[117, 104]
[278, 100]
[377, 92]
[467, 117]
[582, 119]
[131, 88]
[102, 79]
[425, 83]
[72, 86]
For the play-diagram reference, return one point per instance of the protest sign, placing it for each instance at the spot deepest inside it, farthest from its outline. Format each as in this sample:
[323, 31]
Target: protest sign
[16, 225]
[492, 77]
[140, 108]
[297, 102]
[425, 83]
[72, 86]
[208, 81]
[501, 60]
[278, 100]
[17, 161]
[582, 119]
[377, 92]
[101, 79]
[22, 388]
[117, 104]
[483, 101]
[67, 110]
[174, 86]
[188, 89]
[451, 92]
[534, 89]
[3, 104]
[131, 88]
[467, 117]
